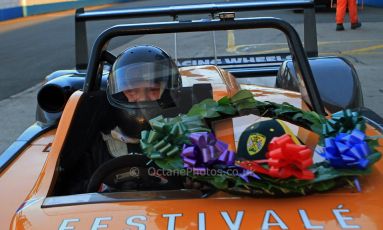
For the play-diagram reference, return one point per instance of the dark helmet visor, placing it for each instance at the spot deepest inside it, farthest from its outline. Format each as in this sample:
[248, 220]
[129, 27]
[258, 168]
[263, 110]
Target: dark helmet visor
[139, 75]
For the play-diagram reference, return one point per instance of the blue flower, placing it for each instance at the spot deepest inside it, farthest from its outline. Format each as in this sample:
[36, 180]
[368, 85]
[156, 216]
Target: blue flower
[347, 150]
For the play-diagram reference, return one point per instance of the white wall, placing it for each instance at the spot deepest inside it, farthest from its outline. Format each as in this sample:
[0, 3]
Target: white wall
[9, 3]
[38, 2]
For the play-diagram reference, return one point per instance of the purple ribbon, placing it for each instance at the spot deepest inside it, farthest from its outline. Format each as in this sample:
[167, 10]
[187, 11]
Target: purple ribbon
[246, 174]
[205, 151]
[347, 150]
[357, 185]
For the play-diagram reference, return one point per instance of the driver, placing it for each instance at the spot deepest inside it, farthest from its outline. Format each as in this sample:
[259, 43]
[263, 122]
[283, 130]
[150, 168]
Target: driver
[141, 86]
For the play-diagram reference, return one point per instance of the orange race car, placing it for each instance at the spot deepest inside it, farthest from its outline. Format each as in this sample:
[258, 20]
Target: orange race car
[136, 138]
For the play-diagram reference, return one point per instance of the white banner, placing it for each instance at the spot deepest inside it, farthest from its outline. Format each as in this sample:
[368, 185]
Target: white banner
[40, 2]
[9, 3]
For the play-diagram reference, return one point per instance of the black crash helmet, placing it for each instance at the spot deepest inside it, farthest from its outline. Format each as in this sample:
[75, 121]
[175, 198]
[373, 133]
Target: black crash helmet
[254, 140]
[141, 67]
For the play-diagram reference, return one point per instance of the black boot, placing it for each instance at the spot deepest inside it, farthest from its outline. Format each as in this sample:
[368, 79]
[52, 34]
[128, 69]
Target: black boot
[356, 25]
[339, 27]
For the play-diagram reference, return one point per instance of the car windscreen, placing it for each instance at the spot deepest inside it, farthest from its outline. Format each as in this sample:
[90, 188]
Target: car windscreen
[250, 48]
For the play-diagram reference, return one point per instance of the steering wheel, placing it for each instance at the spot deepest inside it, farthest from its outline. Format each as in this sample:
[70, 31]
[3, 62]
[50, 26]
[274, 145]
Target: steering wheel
[131, 172]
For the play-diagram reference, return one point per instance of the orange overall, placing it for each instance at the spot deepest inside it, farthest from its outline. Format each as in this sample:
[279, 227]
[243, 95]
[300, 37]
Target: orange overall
[341, 6]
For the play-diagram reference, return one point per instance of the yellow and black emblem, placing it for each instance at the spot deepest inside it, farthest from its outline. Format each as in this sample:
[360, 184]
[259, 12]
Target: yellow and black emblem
[255, 143]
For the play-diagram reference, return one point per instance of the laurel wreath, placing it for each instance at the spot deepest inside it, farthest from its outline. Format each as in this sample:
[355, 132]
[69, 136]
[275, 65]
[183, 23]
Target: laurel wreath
[163, 144]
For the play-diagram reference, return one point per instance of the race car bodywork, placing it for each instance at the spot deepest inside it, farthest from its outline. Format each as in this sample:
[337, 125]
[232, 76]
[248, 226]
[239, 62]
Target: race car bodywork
[34, 177]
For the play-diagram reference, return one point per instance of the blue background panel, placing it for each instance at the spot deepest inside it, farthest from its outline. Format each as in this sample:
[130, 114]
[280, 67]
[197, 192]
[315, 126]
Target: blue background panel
[10, 13]
[374, 3]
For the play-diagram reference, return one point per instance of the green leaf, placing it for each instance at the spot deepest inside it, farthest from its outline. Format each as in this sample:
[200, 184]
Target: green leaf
[241, 95]
[245, 105]
[312, 116]
[316, 128]
[326, 172]
[209, 108]
[255, 184]
[372, 143]
[297, 116]
[170, 163]
[284, 108]
[203, 108]
[219, 182]
[374, 157]
[196, 110]
[324, 185]
[227, 109]
[224, 101]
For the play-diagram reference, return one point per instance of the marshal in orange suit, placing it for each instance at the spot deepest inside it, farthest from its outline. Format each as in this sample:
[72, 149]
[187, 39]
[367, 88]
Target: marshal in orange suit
[341, 7]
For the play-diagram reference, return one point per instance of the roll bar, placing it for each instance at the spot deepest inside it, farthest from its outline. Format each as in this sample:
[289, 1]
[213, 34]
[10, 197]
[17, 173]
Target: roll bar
[310, 33]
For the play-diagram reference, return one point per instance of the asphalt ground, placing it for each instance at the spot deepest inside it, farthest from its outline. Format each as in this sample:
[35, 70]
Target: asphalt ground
[31, 48]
